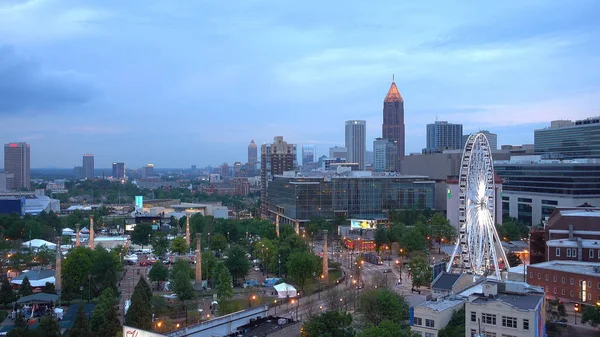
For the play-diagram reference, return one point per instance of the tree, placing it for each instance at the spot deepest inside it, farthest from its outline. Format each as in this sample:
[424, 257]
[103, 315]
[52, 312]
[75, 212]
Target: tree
[49, 327]
[103, 271]
[81, 325]
[49, 288]
[182, 265]
[456, 326]
[182, 286]
[75, 271]
[513, 259]
[413, 241]
[178, 245]
[45, 256]
[301, 267]
[105, 320]
[7, 295]
[209, 262]
[223, 281]
[381, 236]
[591, 315]
[218, 243]
[556, 314]
[332, 323]
[139, 314]
[158, 273]
[160, 243]
[421, 271]
[237, 263]
[141, 234]
[378, 305]
[386, 328]
[25, 287]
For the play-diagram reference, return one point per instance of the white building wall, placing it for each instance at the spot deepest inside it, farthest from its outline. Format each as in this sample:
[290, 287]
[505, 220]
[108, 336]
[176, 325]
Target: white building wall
[499, 309]
[440, 319]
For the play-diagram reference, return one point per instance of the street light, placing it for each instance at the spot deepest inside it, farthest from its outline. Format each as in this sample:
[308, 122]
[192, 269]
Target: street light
[275, 305]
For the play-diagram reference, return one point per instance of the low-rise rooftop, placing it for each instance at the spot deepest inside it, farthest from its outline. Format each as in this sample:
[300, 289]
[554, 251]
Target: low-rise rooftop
[443, 303]
[575, 267]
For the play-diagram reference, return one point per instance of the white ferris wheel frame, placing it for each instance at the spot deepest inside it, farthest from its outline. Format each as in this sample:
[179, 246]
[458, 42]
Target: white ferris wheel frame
[478, 248]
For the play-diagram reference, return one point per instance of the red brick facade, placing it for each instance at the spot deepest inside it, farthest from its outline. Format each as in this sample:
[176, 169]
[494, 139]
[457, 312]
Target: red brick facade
[566, 286]
[573, 254]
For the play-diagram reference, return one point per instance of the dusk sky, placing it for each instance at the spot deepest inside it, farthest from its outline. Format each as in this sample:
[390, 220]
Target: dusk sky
[177, 83]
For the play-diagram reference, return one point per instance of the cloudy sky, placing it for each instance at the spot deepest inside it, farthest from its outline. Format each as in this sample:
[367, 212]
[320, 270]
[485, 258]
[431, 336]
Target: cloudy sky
[177, 83]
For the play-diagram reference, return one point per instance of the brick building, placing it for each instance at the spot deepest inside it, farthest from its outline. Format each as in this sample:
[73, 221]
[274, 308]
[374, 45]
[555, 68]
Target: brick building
[572, 234]
[568, 281]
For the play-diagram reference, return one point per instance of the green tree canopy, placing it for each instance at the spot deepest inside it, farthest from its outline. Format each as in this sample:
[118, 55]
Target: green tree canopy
[421, 271]
[81, 325]
[178, 245]
[141, 234]
[387, 328]
[49, 327]
[378, 305]
[413, 240]
[301, 267]
[25, 287]
[218, 243]
[332, 323]
[75, 271]
[139, 314]
[158, 273]
[182, 265]
[49, 288]
[182, 286]
[105, 320]
[237, 263]
[591, 315]
[456, 326]
[209, 262]
[103, 271]
[7, 295]
[160, 243]
[223, 281]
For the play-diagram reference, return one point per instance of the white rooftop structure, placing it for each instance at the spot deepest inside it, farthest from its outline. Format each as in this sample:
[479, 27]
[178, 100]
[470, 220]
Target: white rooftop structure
[39, 243]
[285, 290]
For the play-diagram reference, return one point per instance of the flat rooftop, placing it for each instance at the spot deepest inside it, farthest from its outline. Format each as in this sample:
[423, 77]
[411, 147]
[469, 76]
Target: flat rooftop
[442, 304]
[575, 267]
[520, 301]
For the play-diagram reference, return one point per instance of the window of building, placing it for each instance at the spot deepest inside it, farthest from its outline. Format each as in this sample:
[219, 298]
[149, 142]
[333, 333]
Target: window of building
[571, 293]
[568, 252]
[554, 290]
[473, 316]
[572, 281]
[509, 322]
[557, 251]
[429, 334]
[429, 323]
[488, 319]
[530, 274]
[580, 283]
[539, 276]
[562, 291]
[599, 253]
[546, 277]
[555, 278]
[564, 279]
[418, 321]
[526, 324]
[589, 284]
[574, 252]
[591, 253]
[598, 286]
[503, 335]
[473, 332]
[489, 334]
[546, 288]
[589, 296]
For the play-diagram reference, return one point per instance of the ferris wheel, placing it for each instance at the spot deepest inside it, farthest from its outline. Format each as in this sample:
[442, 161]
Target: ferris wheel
[478, 248]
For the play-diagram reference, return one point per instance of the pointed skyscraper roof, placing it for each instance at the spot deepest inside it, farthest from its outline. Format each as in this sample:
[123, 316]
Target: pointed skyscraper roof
[393, 94]
[252, 144]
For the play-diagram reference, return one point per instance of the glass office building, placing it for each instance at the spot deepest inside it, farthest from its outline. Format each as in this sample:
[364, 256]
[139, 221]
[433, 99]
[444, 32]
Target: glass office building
[360, 197]
[569, 140]
[533, 189]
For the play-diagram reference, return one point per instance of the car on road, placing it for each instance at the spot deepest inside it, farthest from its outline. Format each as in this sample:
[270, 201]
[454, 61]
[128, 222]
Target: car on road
[256, 268]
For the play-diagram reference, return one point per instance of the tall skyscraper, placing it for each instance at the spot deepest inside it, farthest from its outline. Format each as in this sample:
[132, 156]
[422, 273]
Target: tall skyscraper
[308, 154]
[78, 170]
[118, 171]
[385, 155]
[252, 152]
[17, 162]
[275, 159]
[148, 171]
[444, 136]
[393, 118]
[356, 142]
[88, 166]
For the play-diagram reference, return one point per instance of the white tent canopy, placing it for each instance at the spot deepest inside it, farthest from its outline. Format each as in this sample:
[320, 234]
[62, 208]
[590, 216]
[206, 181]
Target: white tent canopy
[38, 243]
[285, 290]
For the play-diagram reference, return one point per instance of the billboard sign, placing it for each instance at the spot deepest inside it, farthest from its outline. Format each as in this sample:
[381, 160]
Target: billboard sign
[135, 332]
[363, 224]
[139, 201]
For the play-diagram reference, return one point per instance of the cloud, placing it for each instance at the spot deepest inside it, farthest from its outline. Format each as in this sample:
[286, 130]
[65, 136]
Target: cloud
[27, 87]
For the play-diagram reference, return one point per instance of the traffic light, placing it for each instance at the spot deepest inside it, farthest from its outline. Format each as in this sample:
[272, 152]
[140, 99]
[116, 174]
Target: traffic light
[576, 307]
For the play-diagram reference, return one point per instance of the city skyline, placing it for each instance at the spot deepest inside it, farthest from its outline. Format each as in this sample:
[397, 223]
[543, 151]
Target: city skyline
[70, 85]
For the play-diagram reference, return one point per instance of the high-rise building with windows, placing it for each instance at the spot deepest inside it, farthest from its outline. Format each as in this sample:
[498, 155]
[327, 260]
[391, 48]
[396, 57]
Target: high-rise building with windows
[88, 166]
[356, 142]
[442, 136]
[78, 171]
[17, 162]
[569, 140]
[275, 158]
[118, 170]
[393, 119]
[148, 171]
[491, 137]
[385, 155]
[338, 152]
[252, 152]
[308, 154]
